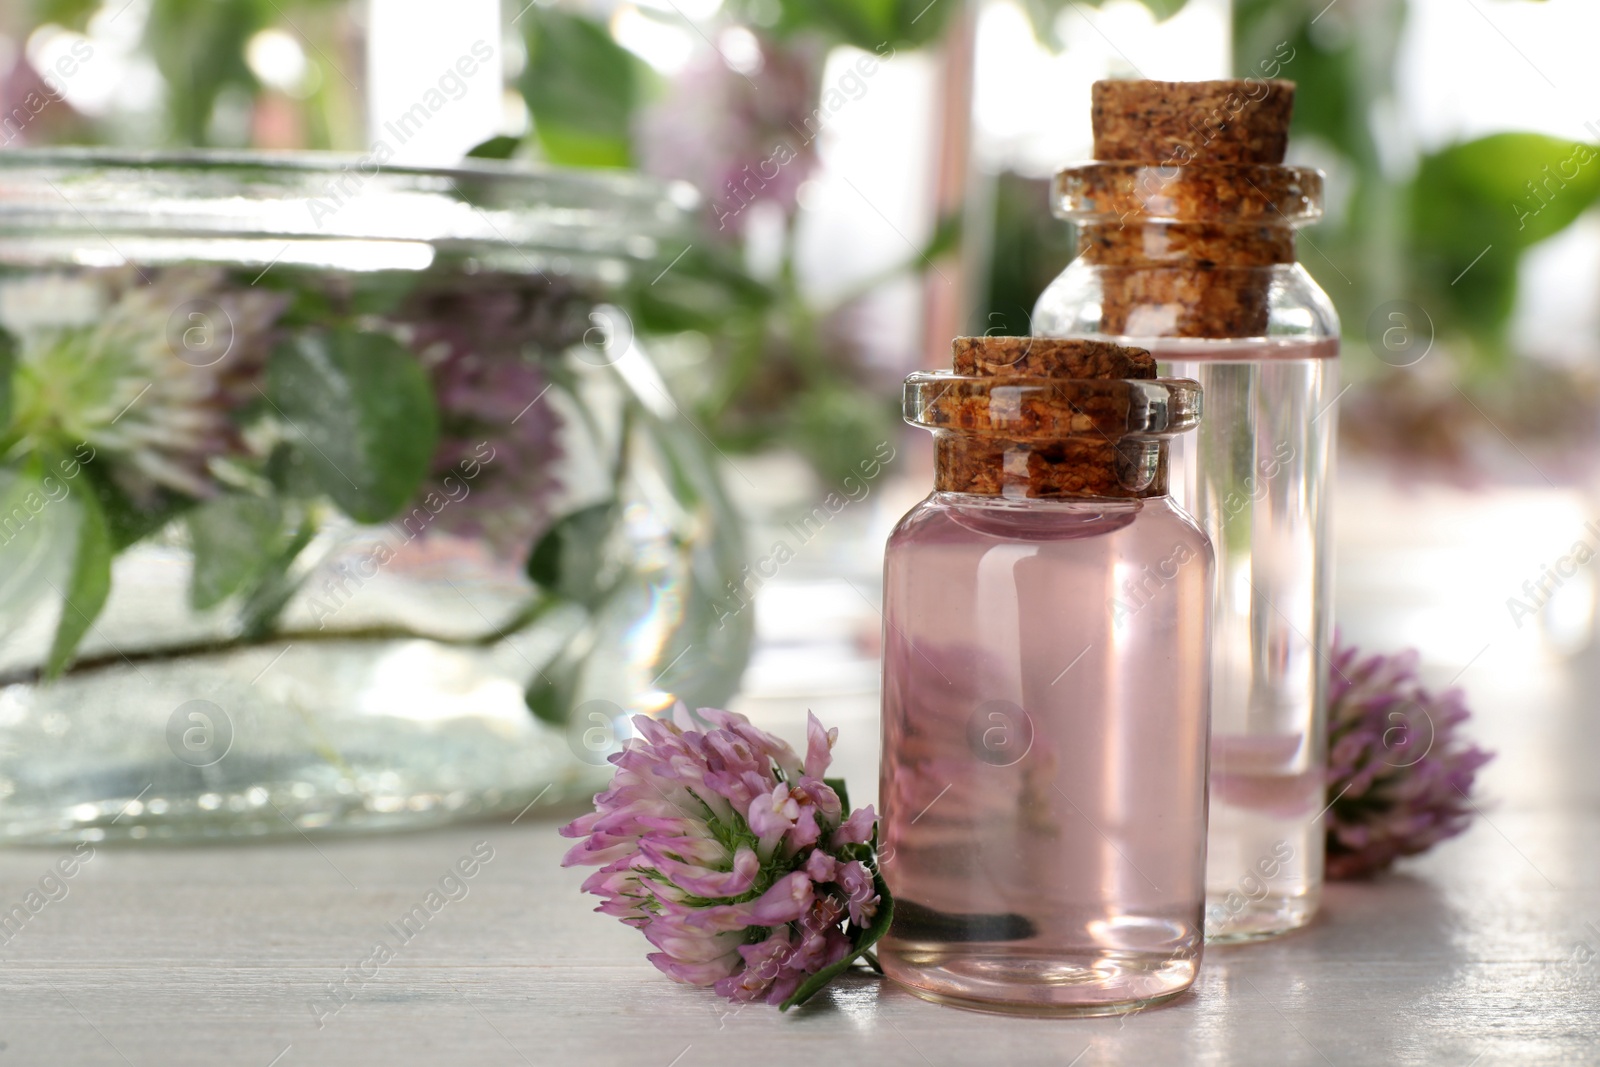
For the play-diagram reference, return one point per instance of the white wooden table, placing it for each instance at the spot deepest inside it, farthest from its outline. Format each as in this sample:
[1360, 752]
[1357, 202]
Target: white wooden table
[1477, 954]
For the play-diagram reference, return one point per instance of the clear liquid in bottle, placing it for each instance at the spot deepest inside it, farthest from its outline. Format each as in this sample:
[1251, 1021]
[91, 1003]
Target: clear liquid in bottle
[1253, 475]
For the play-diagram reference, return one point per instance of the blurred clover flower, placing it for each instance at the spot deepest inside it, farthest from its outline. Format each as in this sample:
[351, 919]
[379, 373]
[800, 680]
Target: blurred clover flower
[486, 347]
[740, 135]
[150, 375]
[734, 857]
[1399, 774]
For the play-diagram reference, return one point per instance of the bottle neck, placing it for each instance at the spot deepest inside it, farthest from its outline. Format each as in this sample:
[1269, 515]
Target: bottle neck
[1042, 519]
[1186, 251]
[1073, 468]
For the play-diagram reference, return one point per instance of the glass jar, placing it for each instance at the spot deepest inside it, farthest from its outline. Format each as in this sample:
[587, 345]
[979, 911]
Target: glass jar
[1196, 263]
[335, 496]
[1044, 700]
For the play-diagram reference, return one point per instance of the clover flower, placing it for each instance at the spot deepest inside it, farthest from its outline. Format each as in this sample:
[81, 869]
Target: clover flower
[1399, 774]
[151, 374]
[733, 856]
[740, 135]
[485, 347]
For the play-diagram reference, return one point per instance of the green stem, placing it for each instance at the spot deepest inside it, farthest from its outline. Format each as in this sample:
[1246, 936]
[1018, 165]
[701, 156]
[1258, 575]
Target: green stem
[524, 618]
[619, 470]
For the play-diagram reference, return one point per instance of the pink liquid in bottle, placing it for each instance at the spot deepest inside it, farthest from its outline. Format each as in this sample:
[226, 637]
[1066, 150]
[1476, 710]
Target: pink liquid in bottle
[1045, 714]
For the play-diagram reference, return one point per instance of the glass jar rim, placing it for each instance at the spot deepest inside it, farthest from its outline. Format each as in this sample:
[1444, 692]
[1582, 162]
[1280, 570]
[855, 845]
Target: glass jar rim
[1256, 193]
[106, 207]
[1052, 408]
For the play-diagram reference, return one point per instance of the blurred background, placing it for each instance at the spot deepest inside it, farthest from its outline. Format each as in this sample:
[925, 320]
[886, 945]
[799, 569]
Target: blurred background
[872, 178]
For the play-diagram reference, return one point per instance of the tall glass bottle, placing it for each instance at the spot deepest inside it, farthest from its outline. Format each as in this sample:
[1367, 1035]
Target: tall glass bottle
[1045, 687]
[1186, 247]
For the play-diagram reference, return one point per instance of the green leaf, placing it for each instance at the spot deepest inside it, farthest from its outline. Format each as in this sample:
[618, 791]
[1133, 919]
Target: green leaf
[1035, 252]
[581, 87]
[1519, 188]
[290, 474]
[946, 239]
[571, 559]
[1164, 9]
[837, 785]
[860, 942]
[87, 588]
[363, 414]
[74, 14]
[1045, 15]
[500, 147]
[1476, 206]
[552, 694]
[837, 427]
[232, 538]
[867, 24]
[36, 528]
[707, 287]
[199, 47]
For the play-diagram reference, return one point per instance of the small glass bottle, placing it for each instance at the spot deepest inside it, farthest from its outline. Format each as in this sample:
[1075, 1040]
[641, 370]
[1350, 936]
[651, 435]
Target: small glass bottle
[1186, 241]
[1045, 688]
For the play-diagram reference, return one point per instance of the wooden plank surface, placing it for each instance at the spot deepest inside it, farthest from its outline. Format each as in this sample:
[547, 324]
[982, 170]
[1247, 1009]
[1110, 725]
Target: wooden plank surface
[1486, 952]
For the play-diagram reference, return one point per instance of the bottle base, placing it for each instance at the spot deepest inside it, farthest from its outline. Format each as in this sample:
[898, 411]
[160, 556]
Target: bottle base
[1227, 923]
[1011, 982]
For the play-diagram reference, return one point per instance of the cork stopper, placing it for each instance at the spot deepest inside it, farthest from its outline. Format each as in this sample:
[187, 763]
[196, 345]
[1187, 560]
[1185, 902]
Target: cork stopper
[1231, 121]
[1189, 206]
[1049, 357]
[1045, 417]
